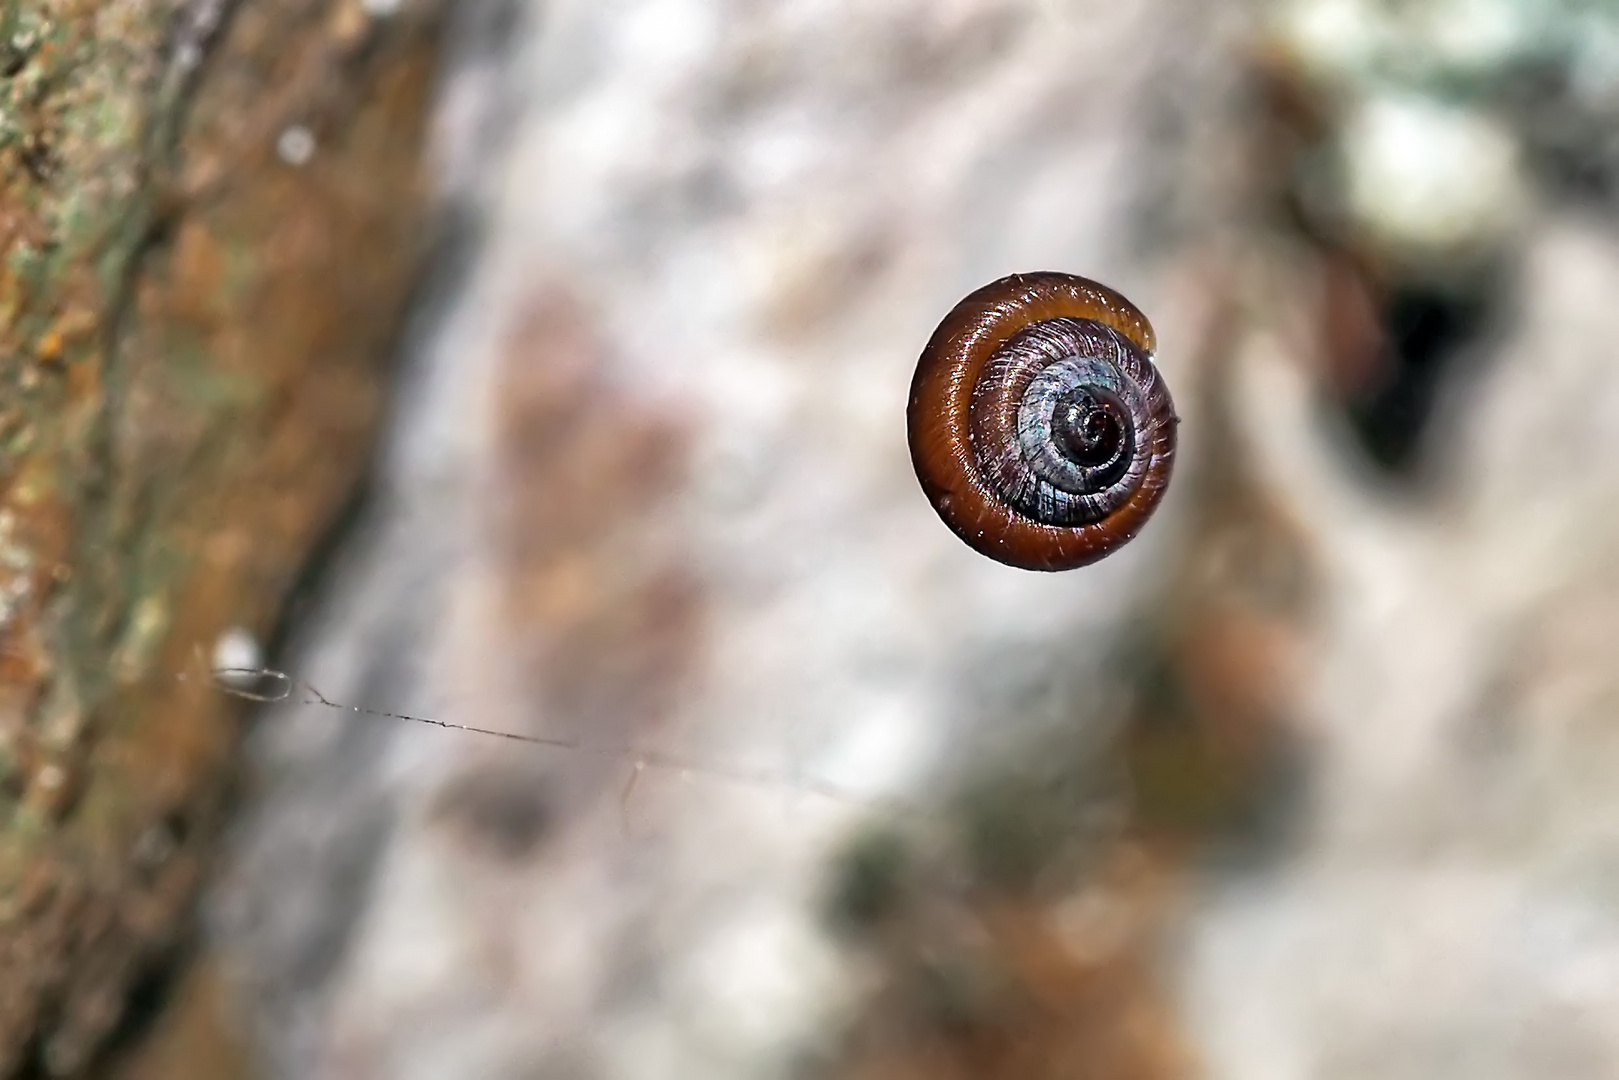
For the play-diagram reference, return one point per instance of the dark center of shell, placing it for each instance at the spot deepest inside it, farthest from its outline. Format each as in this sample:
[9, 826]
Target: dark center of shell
[1089, 430]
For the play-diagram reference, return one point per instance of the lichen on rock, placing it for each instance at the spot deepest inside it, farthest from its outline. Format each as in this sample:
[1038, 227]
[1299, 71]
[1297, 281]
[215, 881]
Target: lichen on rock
[192, 346]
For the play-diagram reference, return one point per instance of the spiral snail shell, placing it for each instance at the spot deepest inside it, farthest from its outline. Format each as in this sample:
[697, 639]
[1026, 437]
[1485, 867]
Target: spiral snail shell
[1039, 428]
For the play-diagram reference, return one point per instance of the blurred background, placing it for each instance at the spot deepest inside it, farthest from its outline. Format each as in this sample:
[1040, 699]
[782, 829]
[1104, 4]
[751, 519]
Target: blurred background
[541, 367]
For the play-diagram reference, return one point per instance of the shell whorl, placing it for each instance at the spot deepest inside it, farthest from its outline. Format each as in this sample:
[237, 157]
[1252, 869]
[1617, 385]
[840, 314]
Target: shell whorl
[1039, 426]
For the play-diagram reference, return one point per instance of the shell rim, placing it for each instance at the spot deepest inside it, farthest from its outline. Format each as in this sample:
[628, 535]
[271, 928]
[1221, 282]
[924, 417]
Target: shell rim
[939, 425]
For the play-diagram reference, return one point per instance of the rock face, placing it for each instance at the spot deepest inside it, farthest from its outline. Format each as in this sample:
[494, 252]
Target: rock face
[1308, 781]
[209, 215]
[649, 492]
[1445, 905]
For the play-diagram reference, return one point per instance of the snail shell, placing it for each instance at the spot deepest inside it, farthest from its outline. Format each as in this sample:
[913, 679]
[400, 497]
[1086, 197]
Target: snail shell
[1041, 431]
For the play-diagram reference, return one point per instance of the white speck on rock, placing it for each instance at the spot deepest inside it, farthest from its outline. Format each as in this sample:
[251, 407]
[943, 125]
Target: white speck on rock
[296, 146]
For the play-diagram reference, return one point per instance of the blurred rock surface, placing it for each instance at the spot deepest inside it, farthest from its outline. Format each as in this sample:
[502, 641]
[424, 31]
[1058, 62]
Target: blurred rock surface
[649, 489]
[1306, 782]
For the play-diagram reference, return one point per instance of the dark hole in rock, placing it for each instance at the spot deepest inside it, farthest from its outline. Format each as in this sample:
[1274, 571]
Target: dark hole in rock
[1425, 329]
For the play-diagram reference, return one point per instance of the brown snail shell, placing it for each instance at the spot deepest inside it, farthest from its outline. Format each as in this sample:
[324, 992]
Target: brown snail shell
[1040, 429]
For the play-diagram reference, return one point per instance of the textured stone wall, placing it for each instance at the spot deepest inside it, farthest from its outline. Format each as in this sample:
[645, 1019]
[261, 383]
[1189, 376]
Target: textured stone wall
[1312, 780]
[209, 218]
[648, 491]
